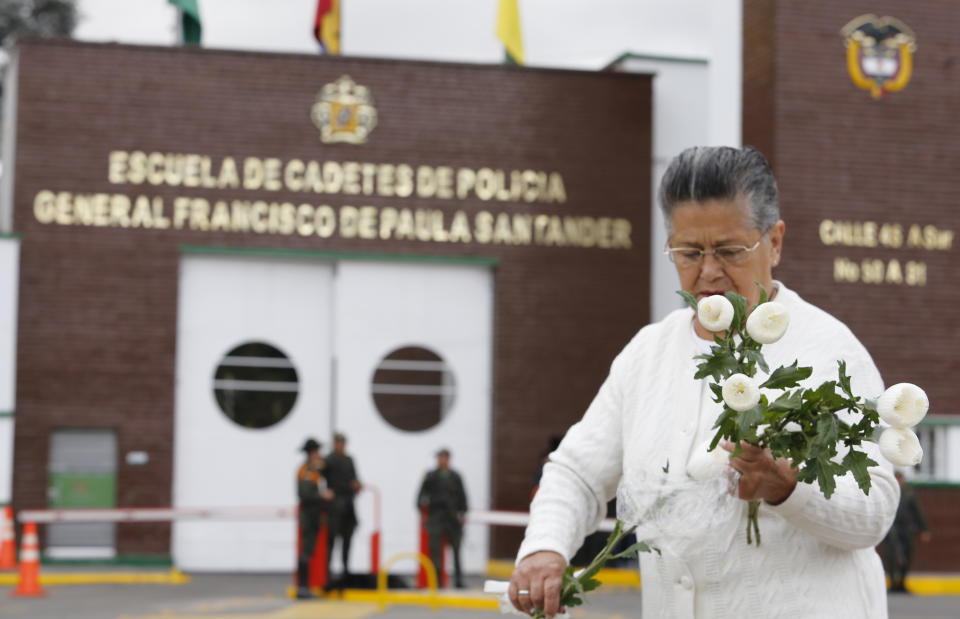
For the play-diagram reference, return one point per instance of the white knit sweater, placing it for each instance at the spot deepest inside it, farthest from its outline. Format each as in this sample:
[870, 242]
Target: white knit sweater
[817, 558]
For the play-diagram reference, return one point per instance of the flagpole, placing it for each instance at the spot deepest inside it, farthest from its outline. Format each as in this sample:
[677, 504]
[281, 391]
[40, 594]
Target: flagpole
[178, 27]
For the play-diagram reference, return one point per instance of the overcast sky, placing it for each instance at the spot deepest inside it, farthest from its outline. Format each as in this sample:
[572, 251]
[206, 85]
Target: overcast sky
[566, 33]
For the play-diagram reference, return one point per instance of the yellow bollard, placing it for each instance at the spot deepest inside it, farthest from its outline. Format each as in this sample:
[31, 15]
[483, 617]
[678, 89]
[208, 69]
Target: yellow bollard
[427, 566]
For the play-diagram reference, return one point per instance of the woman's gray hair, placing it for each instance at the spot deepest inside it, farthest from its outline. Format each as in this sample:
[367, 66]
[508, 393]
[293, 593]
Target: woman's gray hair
[704, 173]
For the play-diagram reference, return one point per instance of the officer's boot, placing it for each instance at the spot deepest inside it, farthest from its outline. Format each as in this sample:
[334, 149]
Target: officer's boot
[303, 585]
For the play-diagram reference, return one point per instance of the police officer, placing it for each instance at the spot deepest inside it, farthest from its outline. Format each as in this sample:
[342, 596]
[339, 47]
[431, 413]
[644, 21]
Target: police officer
[313, 495]
[445, 502]
[342, 479]
[898, 544]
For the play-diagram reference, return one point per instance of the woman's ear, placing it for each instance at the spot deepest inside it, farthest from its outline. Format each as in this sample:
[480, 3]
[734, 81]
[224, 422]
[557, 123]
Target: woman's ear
[776, 233]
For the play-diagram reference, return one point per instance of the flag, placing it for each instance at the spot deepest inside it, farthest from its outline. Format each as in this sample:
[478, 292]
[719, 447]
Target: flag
[508, 30]
[189, 20]
[327, 26]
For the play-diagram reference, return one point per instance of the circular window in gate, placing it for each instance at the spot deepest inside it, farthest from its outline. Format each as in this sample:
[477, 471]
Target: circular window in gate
[256, 385]
[413, 388]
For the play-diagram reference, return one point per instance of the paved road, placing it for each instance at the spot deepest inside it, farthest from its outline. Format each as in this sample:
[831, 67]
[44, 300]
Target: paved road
[248, 596]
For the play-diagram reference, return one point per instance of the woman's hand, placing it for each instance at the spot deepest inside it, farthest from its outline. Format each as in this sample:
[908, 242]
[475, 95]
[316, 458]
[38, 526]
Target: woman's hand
[762, 476]
[536, 582]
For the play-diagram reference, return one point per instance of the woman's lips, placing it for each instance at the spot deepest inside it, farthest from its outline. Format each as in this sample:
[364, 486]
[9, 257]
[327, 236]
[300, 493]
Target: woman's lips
[709, 293]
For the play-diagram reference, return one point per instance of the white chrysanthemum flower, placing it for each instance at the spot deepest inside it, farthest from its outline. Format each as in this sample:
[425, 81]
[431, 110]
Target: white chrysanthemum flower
[740, 392]
[715, 313]
[768, 322]
[903, 405]
[901, 446]
[706, 463]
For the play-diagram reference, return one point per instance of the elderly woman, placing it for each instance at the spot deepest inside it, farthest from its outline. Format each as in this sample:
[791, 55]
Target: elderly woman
[817, 558]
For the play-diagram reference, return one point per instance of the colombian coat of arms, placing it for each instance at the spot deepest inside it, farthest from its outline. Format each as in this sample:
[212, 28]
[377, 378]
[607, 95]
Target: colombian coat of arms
[879, 53]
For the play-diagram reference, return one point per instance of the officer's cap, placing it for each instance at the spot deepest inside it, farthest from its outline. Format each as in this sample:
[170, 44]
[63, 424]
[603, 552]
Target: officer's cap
[310, 445]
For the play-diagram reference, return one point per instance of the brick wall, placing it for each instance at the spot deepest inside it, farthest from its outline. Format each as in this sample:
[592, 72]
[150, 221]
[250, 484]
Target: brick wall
[842, 156]
[97, 329]
[759, 75]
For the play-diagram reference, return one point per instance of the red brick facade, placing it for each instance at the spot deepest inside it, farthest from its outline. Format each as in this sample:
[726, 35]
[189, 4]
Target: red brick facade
[97, 330]
[868, 191]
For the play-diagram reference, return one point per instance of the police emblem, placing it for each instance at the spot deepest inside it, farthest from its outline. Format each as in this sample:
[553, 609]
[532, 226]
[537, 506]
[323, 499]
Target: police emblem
[879, 53]
[344, 112]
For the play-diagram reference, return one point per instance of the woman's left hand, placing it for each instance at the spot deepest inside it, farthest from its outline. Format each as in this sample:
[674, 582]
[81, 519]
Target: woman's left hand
[762, 476]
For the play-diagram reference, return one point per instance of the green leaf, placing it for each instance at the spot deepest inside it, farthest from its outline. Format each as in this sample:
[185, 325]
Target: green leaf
[754, 355]
[785, 377]
[718, 367]
[573, 601]
[822, 470]
[829, 398]
[632, 551]
[689, 298]
[844, 379]
[717, 390]
[857, 462]
[825, 442]
[763, 293]
[726, 425]
[869, 423]
[750, 419]
[739, 310]
[788, 402]
[666, 467]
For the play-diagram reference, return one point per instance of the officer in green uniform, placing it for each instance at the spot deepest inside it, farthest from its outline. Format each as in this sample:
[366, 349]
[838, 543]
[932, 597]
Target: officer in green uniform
[898, 544]
[445, 502]
[313, 495]
[342, 480]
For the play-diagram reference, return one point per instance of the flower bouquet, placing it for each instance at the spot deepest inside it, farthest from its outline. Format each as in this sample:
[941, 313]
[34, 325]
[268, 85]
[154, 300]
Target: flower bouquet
[802, 425]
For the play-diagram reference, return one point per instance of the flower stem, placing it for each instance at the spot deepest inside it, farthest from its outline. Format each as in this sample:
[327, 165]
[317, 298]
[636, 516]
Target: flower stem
[753, 522]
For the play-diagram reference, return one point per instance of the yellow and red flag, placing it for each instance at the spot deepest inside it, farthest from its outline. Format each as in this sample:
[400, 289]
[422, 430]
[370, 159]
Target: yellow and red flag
[327, 26]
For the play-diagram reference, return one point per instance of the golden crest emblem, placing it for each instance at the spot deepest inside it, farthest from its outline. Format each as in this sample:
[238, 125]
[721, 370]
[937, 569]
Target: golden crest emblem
[344, 112]
[879, 53]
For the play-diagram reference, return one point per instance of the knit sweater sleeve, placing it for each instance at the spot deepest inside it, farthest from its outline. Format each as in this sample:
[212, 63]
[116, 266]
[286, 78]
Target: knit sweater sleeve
[581, 475]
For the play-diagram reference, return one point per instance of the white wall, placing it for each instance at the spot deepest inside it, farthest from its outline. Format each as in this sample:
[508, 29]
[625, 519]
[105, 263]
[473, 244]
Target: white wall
[9, 276]
[696, 101]
[679, 121]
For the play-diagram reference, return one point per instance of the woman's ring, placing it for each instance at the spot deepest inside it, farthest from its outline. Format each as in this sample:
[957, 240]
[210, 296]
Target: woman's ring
[523, 592]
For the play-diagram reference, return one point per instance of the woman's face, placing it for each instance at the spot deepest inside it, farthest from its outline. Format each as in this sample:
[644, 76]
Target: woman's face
[719, 223]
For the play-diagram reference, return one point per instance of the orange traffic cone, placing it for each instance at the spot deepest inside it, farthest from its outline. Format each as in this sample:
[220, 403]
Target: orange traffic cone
[29, 585]
[8, 545]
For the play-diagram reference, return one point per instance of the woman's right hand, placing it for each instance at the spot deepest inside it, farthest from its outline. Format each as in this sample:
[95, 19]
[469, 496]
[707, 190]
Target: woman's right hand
[541, 575]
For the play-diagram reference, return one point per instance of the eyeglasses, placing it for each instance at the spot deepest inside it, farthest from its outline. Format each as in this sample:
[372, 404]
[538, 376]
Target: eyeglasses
[692, 256]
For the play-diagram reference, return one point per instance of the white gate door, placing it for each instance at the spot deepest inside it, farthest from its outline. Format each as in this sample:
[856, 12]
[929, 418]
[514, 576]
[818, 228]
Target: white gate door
[253, 382]
[413, 345]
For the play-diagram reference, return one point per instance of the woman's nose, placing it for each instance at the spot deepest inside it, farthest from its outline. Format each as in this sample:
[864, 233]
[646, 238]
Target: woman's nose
[710, 267]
